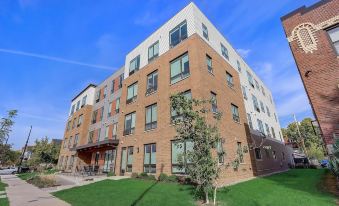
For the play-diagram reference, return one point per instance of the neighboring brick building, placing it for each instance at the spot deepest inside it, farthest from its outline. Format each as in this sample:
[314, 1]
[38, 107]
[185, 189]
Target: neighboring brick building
[131, 130]
[313, 35]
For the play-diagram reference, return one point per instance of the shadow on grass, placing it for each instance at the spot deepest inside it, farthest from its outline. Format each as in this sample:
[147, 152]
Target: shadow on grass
[143, 194]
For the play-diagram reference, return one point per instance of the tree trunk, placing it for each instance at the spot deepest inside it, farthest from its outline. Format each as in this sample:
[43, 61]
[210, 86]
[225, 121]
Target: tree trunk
[206, 198]
[215, 195]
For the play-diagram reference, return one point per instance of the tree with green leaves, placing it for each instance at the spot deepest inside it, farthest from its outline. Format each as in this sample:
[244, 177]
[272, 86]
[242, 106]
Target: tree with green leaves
[194, 124]
[6, 124]
[309, 139]
[44, 152]
[334, 159]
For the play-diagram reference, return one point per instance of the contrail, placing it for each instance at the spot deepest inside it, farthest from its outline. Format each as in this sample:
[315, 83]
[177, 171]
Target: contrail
[51, 58]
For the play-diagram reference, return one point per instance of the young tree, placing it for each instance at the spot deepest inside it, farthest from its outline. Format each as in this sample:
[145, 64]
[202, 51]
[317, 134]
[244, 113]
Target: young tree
[191, 126]
[6, 124]
[44, 152]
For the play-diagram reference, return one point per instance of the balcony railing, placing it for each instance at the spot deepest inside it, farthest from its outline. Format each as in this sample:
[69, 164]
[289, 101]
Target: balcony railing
[130, 100]
[150, 90]
[129, 131]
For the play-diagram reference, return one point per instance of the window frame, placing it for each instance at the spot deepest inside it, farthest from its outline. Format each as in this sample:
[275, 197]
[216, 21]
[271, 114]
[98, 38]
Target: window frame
[154, 56]
[152, 124]
[136, 67]
[154, 88]
[150, 165]
[335, 27]
[214, 102]
[183, 75]
[204, 31]
[209, 67]
[181, 36]
[235, 113]
[184, 156]
[131, 130]
[135, 93]
[224, 51]
[229, 79]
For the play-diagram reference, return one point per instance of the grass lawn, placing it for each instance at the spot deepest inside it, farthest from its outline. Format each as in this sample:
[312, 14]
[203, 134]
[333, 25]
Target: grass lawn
[26, 176]
[3, 201]
[296, 187]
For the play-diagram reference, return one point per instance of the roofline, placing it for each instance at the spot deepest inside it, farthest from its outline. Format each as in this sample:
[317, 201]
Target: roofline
[304, 9]
[90, 85]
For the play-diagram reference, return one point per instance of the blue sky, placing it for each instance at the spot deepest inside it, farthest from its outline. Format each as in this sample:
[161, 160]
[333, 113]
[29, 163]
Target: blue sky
[51, 49]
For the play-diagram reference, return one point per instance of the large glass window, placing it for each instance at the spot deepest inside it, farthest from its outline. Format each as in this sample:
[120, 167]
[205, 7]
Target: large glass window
[123, 159]
[250, 79]
[112, 86]
[94, 116]
[180, 151]
[150, 158]
[80, 119]
[179, 68]
[73, 108]
[78, 105]
[83, 101]
[117, 105]
[174, 114]
[151, 117]
[129, 159]
[255, 103]
[121, 79]
[132, 92]
[209, 64]
[153, 51]
[129, 123]
[235, 113]
[244, 92]
[97, 96]
[214, 102]
[178, 34]
[114, 132]
[262, 106]
[229, 79]
[334, 36]
[204, 31]
[134, 65]
[249, 119]
[224, 51]
[152, 82]
[261, 126]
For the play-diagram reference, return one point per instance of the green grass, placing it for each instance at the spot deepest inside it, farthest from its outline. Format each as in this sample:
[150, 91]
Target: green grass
[3, 201]
[26, 176]
[296, 187]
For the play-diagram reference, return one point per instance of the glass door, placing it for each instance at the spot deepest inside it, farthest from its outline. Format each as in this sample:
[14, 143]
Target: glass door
[109, 160]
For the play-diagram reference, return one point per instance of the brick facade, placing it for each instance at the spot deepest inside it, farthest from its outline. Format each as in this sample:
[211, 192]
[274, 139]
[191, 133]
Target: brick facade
[317, 60]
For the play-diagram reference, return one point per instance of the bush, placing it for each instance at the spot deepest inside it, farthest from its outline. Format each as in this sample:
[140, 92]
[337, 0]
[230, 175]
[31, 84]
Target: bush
[143, 175]
[172, 178]
[134, 175]
[163, 177]
[43, 181]
[110, 174]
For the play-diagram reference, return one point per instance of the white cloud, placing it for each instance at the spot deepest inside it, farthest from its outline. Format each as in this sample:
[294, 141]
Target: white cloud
[244, 52]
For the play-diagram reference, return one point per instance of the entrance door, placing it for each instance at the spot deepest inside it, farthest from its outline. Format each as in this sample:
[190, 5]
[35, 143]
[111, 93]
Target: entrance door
[109, 160]
[123, 160]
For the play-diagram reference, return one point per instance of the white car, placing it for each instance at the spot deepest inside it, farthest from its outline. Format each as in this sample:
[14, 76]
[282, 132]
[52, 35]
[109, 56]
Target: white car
[8, 171]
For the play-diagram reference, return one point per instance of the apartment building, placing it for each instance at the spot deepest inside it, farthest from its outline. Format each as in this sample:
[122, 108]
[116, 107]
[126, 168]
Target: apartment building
[313, 36]
[186, 55]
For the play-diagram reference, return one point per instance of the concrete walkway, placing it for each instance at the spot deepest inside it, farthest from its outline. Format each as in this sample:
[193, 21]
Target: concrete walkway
[20, 193]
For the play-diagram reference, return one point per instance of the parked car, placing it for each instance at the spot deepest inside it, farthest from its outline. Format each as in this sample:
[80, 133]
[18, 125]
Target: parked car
[324, 163]
[8, 171]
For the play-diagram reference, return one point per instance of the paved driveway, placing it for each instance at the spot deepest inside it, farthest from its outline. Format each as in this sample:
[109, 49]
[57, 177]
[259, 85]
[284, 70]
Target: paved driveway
[20, 193]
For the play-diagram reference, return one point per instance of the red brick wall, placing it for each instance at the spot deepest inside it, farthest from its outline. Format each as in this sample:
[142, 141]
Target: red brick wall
[322, 65]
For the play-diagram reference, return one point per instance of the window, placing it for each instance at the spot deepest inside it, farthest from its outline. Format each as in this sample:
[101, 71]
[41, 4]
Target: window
[150, 158]
[174, 114]
[261, 127]
[180, 151]
[76, 140]
[74, 123]
[109, 109]
[83, 103]
[97, 96]
[105, 91]
[273, 133]
[123, 159]
[121, 79]
[263, 91]
[101, 113]
[129, 159]
[209, 63]
[99, 135]
[275, 117]
[334, 36]
[90, 137]
[106, 132]
[220, 152]
[80, 120]
[94, 116]
[68, 125]
[178, 34]
[112, 87]
[239, 66]
[256, 84]
[214, 102]
[250, 79]
[153, 51]
[274, 154]
[152, 82]
[244, 92]
[117, 105]
[262, 106]
[255, 103]
[204, 31]
[134, 65]
[268, 111]
[78, 105]
[179, 68]
[151, 117]
[132, 92]
[257, 153]
[271, 99]
[229, 79]
[224, 51]
[72, 110]
[267, 130]
[235, 113]
[129, 123]
[240, 152]
[114, 132]
[70, 142]
[249, 119]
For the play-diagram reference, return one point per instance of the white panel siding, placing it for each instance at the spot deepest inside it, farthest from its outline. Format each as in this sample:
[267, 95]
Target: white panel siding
[90, 92]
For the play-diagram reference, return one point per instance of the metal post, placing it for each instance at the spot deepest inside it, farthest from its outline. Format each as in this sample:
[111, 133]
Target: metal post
[23, 153]
[301, 138]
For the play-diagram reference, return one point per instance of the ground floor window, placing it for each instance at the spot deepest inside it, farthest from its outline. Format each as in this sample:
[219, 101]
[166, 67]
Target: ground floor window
[180, 151]
[150, 158]
[126, 159]
[129, 159]
[109, 160]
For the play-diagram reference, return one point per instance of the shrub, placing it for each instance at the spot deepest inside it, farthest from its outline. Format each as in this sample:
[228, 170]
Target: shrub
[134, 175]
[110, 174]
[163, 177]
[143, 175]
[172, 178]
[43, 181]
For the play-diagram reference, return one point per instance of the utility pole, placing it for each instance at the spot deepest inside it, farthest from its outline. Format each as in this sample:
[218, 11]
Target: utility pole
[23, 152]
[299, 133]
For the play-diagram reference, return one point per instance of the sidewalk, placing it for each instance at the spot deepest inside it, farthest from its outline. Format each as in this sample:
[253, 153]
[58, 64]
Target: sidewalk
[20, 193]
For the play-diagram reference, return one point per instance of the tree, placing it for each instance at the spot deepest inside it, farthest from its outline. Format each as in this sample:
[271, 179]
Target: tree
[334, 159]
[309, 139]
[191, 126]
[6, 123]
[44, 152]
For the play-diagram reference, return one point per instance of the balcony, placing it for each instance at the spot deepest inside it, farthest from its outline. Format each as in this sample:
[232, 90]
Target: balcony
[129, 131]
[131, 100]
[97, 145]
[151, 90]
